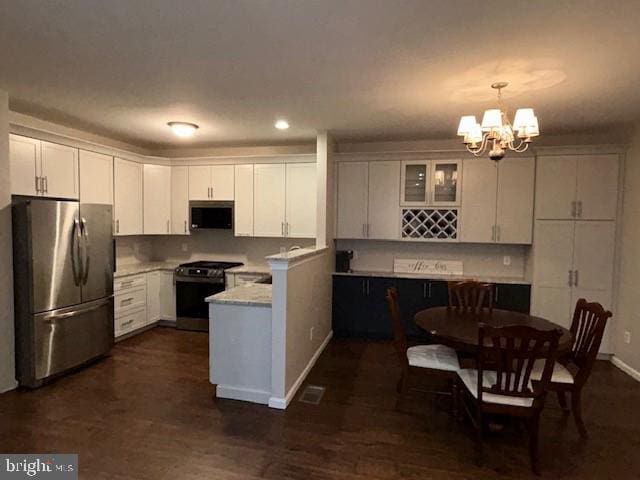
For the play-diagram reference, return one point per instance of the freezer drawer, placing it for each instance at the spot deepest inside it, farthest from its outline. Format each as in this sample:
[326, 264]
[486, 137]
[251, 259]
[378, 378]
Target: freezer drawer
[66, 338]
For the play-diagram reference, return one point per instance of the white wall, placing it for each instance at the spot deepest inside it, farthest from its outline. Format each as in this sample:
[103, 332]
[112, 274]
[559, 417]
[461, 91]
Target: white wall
[212, 245]
[627, 314]
[7, 352]
[478, 259]
[301, 302]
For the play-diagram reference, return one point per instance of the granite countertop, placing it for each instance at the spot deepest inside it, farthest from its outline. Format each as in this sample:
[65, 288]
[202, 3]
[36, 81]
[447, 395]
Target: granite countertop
[479, 278]
[257, 269]
[248, 294]
[144, 267]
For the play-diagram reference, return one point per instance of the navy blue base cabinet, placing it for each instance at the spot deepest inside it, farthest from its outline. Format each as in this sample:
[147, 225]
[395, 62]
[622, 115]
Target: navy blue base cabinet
[360, 308]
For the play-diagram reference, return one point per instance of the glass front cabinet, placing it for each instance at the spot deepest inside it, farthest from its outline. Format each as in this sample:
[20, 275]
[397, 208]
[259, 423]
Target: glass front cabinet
[430, 183]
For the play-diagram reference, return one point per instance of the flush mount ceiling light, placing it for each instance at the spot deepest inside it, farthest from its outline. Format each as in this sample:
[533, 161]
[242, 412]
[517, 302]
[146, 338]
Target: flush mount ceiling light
[183, 129]
[282, 125]
[496, 132]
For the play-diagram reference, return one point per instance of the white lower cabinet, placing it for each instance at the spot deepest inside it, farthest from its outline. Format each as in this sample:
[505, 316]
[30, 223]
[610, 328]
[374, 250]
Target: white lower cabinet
[130, 302]
[153, 297]
[167, 296]
[157, 200]
[572, 260]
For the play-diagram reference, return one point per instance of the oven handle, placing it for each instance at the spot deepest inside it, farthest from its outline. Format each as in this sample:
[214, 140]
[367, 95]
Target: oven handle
[213, 281]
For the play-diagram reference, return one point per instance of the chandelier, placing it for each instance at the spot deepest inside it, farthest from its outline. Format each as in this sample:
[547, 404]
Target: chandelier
[496, 132]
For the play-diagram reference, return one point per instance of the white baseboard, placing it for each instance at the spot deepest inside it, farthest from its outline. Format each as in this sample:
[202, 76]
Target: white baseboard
[282, 403]
[632, 372]
[244, 394]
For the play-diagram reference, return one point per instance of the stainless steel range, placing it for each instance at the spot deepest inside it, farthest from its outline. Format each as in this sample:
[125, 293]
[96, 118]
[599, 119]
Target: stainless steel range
[196, 281]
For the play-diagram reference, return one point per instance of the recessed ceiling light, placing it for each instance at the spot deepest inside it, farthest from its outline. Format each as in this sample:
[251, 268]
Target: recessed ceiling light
[282, 124]
[183, 129]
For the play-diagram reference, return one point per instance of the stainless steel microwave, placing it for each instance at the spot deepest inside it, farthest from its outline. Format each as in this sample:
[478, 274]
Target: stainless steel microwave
[211, 215]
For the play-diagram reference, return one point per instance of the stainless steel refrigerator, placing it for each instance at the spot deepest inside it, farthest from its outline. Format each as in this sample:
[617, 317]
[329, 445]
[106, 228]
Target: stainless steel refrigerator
[63, 280]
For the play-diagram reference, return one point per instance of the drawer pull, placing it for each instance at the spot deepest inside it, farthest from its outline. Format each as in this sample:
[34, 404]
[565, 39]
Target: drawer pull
[126, 301]
[128, 322]
[127, 283]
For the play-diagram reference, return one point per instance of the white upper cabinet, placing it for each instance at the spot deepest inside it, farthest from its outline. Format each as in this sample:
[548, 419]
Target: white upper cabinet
[301, 199]
[200, 183]
[597, 187]
[514, 215]
[353, 199]
[446, 181]
[24, 154]
[222, 184]
[59, 170]
[157, 200]
[243, 207]
[128, 197]
[430, 183]
[180, 200]
[415, 179]
[43, 168]
[384, 214]
[497, 200]
[577, 187]
[96, 178]
[208, 182]
[269, 203]
[478, 215]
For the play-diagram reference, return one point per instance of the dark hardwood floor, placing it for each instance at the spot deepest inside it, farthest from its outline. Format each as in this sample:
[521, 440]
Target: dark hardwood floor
[147, 412]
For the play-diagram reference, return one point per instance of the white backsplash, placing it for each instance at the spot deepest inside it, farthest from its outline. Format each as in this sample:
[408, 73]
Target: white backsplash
[203, 245]
[477, 259]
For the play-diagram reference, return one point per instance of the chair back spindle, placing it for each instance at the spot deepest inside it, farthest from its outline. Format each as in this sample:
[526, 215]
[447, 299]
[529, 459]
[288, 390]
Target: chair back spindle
[587, 330]
[511, 353]
[471, 296]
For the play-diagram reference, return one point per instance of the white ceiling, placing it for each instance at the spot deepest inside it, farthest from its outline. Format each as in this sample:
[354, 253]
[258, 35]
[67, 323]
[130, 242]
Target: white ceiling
[374, 69]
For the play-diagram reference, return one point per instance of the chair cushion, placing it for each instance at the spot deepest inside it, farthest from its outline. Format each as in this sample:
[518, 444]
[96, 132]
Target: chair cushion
[560, 372]
[469, 377]
[435, 357]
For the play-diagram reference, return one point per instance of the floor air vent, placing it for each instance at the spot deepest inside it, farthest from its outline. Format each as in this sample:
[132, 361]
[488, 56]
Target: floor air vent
[312, 394]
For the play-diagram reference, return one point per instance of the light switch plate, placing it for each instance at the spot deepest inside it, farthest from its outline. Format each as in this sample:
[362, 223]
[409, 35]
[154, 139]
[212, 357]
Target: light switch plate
[185, 247]
[627, 337]
[506, 260]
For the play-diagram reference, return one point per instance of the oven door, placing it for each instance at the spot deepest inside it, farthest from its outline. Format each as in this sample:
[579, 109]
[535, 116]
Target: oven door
[191, 309]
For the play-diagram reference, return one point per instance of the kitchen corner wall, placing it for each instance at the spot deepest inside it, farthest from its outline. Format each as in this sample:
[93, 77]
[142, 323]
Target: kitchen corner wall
[478, 259]
[626, 315]
[203, 245]
[7, 355]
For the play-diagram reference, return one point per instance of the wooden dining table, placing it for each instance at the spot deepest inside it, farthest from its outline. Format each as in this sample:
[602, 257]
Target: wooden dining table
[458, 328]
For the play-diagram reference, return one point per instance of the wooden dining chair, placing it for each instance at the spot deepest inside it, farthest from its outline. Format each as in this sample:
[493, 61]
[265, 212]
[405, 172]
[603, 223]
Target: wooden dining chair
[570, 372]
[502, 382]
[439, 360]
[470, 295]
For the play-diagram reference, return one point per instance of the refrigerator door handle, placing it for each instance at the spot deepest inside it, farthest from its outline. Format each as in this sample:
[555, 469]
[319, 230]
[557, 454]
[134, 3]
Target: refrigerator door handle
[60, 316]
[86, 248]
[76, 258]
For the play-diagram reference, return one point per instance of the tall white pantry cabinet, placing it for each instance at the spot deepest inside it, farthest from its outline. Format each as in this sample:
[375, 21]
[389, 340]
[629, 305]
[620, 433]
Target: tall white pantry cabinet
[575, 235]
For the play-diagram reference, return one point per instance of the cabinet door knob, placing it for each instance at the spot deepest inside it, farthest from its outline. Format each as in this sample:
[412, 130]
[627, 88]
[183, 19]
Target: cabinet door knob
[185, 226]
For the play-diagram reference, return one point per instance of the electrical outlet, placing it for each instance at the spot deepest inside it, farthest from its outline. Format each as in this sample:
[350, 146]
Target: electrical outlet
[627, 337]
[311, 333]
[185, 247]
[355, 254]
[506, 260]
